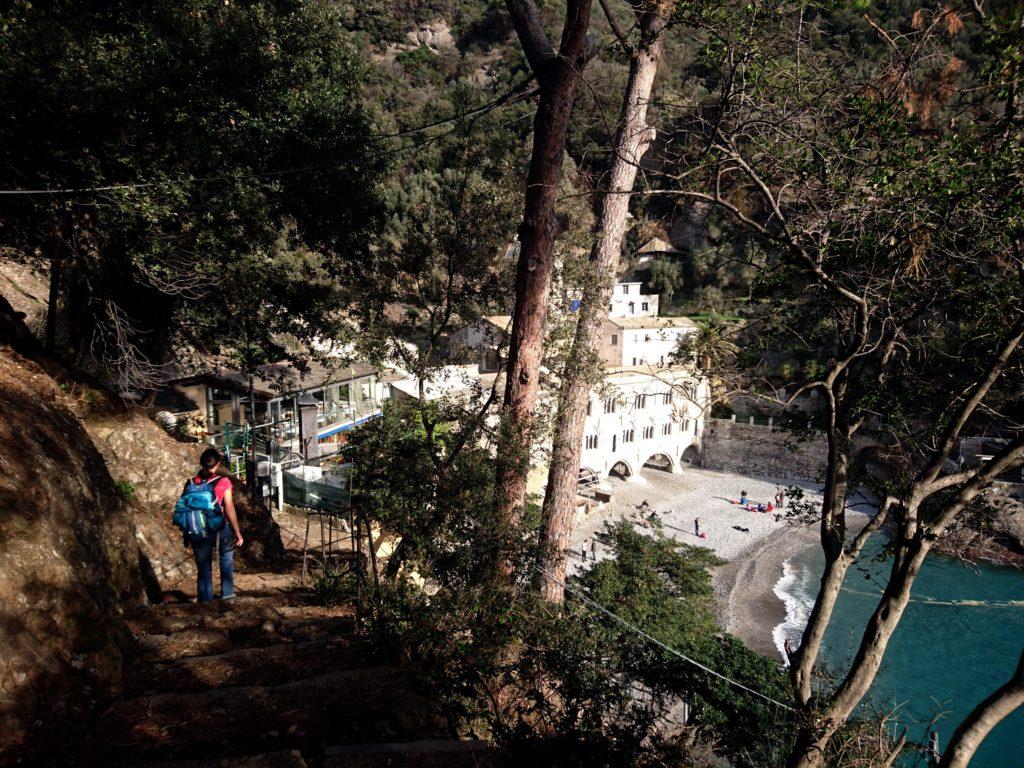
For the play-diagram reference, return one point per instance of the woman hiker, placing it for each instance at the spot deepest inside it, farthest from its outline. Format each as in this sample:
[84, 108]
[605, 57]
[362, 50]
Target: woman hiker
[224, 540]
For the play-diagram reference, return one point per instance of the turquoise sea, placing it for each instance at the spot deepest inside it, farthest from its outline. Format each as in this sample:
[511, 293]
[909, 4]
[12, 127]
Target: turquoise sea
[960, 638]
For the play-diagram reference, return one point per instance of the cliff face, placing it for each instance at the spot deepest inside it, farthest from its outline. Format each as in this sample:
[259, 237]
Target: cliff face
[69, 563]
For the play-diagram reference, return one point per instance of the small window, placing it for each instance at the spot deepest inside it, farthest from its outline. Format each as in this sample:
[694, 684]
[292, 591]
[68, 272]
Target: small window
[686, 424]
[615, 339]
[666, 429]
[625, 290]
[609, 405]
[634, 361]
[644, 306]
[632, 307]
[648, 433]
[696, 425]
[627, 435]
[641, 401]
[588, 407]
[591, 442]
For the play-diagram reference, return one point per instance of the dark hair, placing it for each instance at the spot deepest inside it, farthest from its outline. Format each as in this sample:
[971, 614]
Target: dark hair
[211, 458]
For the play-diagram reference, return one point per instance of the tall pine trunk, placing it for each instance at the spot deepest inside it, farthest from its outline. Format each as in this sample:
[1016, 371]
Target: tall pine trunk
[583, 366]
[558, 77]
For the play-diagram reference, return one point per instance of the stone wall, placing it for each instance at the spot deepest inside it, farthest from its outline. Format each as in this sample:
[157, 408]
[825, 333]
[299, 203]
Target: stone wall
[753, 449]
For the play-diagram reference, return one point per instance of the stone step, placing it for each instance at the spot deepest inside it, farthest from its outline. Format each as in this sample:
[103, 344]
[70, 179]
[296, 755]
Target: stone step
[427, 753]
[175, 616]
[353, 706]
[225, 633]
[285, 758]
[266, 665]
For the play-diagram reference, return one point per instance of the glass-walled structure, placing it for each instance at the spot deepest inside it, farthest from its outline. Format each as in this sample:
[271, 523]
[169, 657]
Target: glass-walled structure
[345, 397]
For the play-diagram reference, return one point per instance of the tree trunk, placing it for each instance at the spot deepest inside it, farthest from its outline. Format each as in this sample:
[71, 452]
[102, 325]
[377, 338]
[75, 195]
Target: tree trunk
[558, 78]
[814, 738]
[584, 365]
[983, 718]
[56, 271]
[833, 532]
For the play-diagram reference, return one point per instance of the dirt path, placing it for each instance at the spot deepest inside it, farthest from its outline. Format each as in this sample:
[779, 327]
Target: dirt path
[270, 679]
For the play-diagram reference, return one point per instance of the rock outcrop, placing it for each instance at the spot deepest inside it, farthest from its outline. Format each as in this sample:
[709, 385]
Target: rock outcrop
[69, 563]
[151, 467]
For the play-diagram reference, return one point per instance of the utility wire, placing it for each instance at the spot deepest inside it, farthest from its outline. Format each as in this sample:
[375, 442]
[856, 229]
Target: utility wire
[657, 642]
[512, 96]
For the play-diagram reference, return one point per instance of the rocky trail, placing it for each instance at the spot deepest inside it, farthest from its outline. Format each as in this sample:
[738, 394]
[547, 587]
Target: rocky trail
[267, 680]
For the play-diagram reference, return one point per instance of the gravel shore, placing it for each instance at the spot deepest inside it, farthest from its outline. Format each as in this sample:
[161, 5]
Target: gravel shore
[754, 544]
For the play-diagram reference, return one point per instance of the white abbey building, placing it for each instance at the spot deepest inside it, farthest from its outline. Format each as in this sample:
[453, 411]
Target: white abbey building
[643, 416]
[647, 411]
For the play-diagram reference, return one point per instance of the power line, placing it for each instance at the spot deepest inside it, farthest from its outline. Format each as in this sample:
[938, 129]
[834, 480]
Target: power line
[512, 96]
[633, 628]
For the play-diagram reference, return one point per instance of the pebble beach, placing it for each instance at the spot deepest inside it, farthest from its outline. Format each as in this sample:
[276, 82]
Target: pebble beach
[754, 544]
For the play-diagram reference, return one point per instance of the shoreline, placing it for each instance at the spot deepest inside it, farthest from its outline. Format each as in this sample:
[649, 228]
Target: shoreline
[746, 602]
[753, 545]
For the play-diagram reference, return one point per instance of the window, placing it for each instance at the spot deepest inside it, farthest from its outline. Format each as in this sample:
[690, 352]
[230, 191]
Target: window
[627, 435]
[609, 405]
[686, 424]
[666, 429]
[648, 433]
[632, 307]
[666, 398]
[625, 290]
[591, 442]
[641, 401]
[696, 425]
[588, 407]
[615, 339]
[643, 306]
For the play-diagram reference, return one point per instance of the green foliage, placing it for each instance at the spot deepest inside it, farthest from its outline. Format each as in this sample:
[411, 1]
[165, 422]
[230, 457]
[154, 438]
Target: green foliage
[332, 586]
[244, 122]
[564, 687]
[126, 489]
[666, 277]
[421, 66]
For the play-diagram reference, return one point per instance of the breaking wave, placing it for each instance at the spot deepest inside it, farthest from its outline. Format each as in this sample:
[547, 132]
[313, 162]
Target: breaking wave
[792, 590]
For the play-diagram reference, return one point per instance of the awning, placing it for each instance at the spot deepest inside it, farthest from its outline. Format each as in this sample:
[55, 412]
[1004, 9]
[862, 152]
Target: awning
[320, 435]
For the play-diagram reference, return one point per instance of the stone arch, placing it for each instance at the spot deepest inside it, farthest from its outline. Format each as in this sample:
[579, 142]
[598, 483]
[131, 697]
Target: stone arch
[660, 461]
[588, 480]
[691, 456]
[621, 469]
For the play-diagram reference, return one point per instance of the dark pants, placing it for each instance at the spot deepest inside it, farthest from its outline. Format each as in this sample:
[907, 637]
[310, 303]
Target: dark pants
[204, 564]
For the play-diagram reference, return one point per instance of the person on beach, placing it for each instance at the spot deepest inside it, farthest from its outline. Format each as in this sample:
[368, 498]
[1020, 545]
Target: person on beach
[778, 496]
[696, 527]
[743, 498]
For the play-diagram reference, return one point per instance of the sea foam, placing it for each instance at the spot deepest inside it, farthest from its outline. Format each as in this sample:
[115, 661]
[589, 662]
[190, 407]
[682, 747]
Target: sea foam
[791, 589]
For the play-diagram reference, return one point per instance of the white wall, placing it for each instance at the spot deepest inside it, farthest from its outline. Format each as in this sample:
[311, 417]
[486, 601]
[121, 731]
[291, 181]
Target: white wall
[625, 294]
[683, 414]
[649, 346]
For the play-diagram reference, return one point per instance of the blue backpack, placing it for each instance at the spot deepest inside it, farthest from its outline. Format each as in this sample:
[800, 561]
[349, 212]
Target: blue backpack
[197, 512]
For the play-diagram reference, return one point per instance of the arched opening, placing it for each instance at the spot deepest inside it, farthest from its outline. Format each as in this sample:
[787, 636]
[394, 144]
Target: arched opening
[587, 483]
[659, 461]
[621, 470]
[691, 456]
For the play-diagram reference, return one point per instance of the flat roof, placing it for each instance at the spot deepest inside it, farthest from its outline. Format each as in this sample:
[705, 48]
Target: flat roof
[652, 323]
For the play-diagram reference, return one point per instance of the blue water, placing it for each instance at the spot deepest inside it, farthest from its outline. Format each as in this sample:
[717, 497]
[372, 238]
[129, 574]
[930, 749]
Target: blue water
[960, 638]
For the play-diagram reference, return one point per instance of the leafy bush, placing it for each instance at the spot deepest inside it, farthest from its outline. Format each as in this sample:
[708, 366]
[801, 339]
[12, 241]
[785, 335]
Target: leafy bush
[126, 488]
